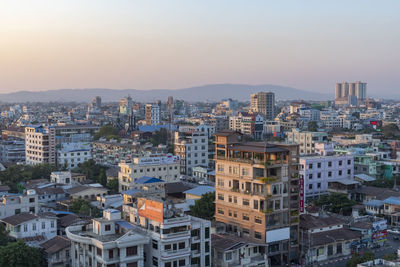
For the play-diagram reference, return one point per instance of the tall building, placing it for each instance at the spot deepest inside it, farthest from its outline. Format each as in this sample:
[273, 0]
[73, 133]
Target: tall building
[125, 105]
[192, 149]
[263, 103]
[345, 92]
[306, 140]
[152, 114]
[248, 124]
[257, 194]
[40, 145]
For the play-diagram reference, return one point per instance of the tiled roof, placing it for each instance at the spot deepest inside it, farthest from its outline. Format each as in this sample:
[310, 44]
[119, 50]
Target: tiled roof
[19, 218]
[56, 244]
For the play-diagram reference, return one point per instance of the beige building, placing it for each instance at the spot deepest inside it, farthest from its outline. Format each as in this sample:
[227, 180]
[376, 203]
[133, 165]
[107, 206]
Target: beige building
[152, 114]
[263, 103]
[257, 194]
[165, 168]
[306, 140]
[40, 145]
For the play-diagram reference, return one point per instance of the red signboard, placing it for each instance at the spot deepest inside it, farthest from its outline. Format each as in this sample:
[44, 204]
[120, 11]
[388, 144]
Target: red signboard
[151, 209]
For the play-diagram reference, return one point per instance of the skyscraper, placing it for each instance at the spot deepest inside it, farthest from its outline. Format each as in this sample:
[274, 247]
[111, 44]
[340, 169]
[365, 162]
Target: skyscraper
[152, 114]
[345, 92]
[263, 103]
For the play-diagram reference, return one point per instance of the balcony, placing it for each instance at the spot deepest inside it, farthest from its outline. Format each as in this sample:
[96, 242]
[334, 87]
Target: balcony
[268, 180]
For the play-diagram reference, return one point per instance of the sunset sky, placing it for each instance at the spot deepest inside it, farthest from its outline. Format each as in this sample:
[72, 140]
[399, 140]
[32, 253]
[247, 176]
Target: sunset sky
[165, 44]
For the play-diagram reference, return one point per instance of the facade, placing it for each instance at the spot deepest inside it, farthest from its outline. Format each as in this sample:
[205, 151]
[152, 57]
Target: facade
[61, 177]
[40, 146]
[345, 92]
[33, 228]
[12, 151]
[317, 171]
[165, 168]
[176, 239]
[248, 124]
[57, 251]
[152, 114]
[263, 103]
[125, 105]
[257, 194]
[306, 140]
[14, 204]
[192, 150]
[108, 241]
[71, 155]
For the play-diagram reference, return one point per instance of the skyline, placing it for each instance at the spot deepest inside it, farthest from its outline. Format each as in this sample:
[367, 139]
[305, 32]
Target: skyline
[168, 45]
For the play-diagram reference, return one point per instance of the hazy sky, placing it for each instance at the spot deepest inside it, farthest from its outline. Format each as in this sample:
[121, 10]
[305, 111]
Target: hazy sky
[148, 44]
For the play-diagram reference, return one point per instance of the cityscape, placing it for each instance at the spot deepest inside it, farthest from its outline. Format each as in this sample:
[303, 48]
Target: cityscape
[222, 173]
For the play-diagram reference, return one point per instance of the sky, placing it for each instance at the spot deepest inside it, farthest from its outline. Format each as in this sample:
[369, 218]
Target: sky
[168, 44]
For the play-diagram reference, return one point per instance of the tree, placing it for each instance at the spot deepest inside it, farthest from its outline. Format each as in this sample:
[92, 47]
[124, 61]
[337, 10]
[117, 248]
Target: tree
[390, 257]
[113, 185]
[4, 237]
[391, 131]
[356, 259]
[107, 131]
[159, 137]
[204, 207]
[82, 207]
[90, 169]
[17, 254]
[312, 126]
[102, 178]
[336, 202]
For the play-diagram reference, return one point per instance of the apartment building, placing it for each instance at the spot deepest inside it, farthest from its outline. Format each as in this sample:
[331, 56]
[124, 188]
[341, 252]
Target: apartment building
[177, 239]
[316, 171]
[15, 204]
[263, 103]
[192, 149]
[257, 194]
[40, 145]
[152, 114]
[248, 124]
[70, 155]
[166, 168]
[12, 151]
[306, 140]
[107, 241]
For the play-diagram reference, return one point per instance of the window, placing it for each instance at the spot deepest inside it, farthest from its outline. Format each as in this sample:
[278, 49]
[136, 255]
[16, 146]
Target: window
[168, 247]
[130, 251]
[349, 171]
[228, 256]
[340, 163]
[257, 235]
[107, 227]
[246, 202]
[182, 245]
[25, 228]
[207, 232]
[348, 161]
[258, 220]
[310, 186]
[329, 174]
[255, 204]
[310, 176]
[310, 166]
[245, 217]
[182, 262]
[246, 231]
[99, 252]
[43, 225]
[31, 200]
[330, 164]
[34, 226]
[110, 253]
[319, 185]
[319, 175]
[155, 244]
[340, 172]
[220, 211]
[155, 261]
[132, 264]
[319, 165]
[220, 197]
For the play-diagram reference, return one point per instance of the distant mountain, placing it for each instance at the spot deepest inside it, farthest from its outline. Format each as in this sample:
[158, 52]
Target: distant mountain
[214, 92]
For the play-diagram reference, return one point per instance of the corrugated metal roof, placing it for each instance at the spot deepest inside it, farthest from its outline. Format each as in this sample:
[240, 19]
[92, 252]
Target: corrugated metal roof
[392, 200]
[200, 190]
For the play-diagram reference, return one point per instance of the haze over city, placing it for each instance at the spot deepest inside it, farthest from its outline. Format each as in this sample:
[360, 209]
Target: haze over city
[308, 45]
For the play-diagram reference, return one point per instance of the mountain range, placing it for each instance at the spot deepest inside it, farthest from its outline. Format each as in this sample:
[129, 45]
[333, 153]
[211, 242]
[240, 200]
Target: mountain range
[212, 93]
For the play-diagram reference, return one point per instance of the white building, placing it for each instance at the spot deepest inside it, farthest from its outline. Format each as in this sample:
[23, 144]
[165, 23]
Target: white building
[36, 228]
[317, 171]
[72, 154]
[176, 239]
[108, 241]
[152, 114]
[61, 178]
[15, 204]
[306, 139]
[192, 148]
[165, 168]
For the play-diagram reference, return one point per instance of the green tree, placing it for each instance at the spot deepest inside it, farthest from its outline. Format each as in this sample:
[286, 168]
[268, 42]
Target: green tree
[391, 131]
[107, 131]
[82, 207]
[4, 237]
[102, 178]
[390, 257]
[204, 207]
[336, 202]
[159, 137]
[17, 254]
[312, 126]
[90, 169]
[113, 185]
[356, 259]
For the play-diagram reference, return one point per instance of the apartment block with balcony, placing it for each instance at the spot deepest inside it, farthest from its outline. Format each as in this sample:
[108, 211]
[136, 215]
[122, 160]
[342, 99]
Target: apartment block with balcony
[14, 204]
[177, 239]
[108, 241]
[40, 146]
[306, 140]
[257, 194]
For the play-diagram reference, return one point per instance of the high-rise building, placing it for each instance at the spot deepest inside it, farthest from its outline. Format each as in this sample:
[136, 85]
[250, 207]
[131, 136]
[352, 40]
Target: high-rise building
[125, 105]
[263, 103]
[152, 114]
[346, 92]
[40, 145]
[257, 194]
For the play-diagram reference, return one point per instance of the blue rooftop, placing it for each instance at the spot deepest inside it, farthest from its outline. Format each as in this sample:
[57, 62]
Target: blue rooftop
[131, 192]
[126, 225]
[364, 177]
[200, 190]
[392, 200]
[374, 203]
[153, 128]
[147, 180]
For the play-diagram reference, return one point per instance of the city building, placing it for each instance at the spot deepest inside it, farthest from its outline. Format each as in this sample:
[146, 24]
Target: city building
[61, 178]
[152, 114]
[14, 204]
[166, 168]
[125, 105]
[346, 93]
[177, 239]
[263, 103]
[257, 194]
[306, 140]
[192, 150]
[107, 241]
[40, 145]
[70, 155]
[57, 251]
[248, 124]
[12, 151]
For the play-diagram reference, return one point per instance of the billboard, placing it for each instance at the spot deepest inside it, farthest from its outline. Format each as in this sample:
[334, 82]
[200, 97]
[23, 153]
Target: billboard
[379, 225]
[168, 159]
[150, 209]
